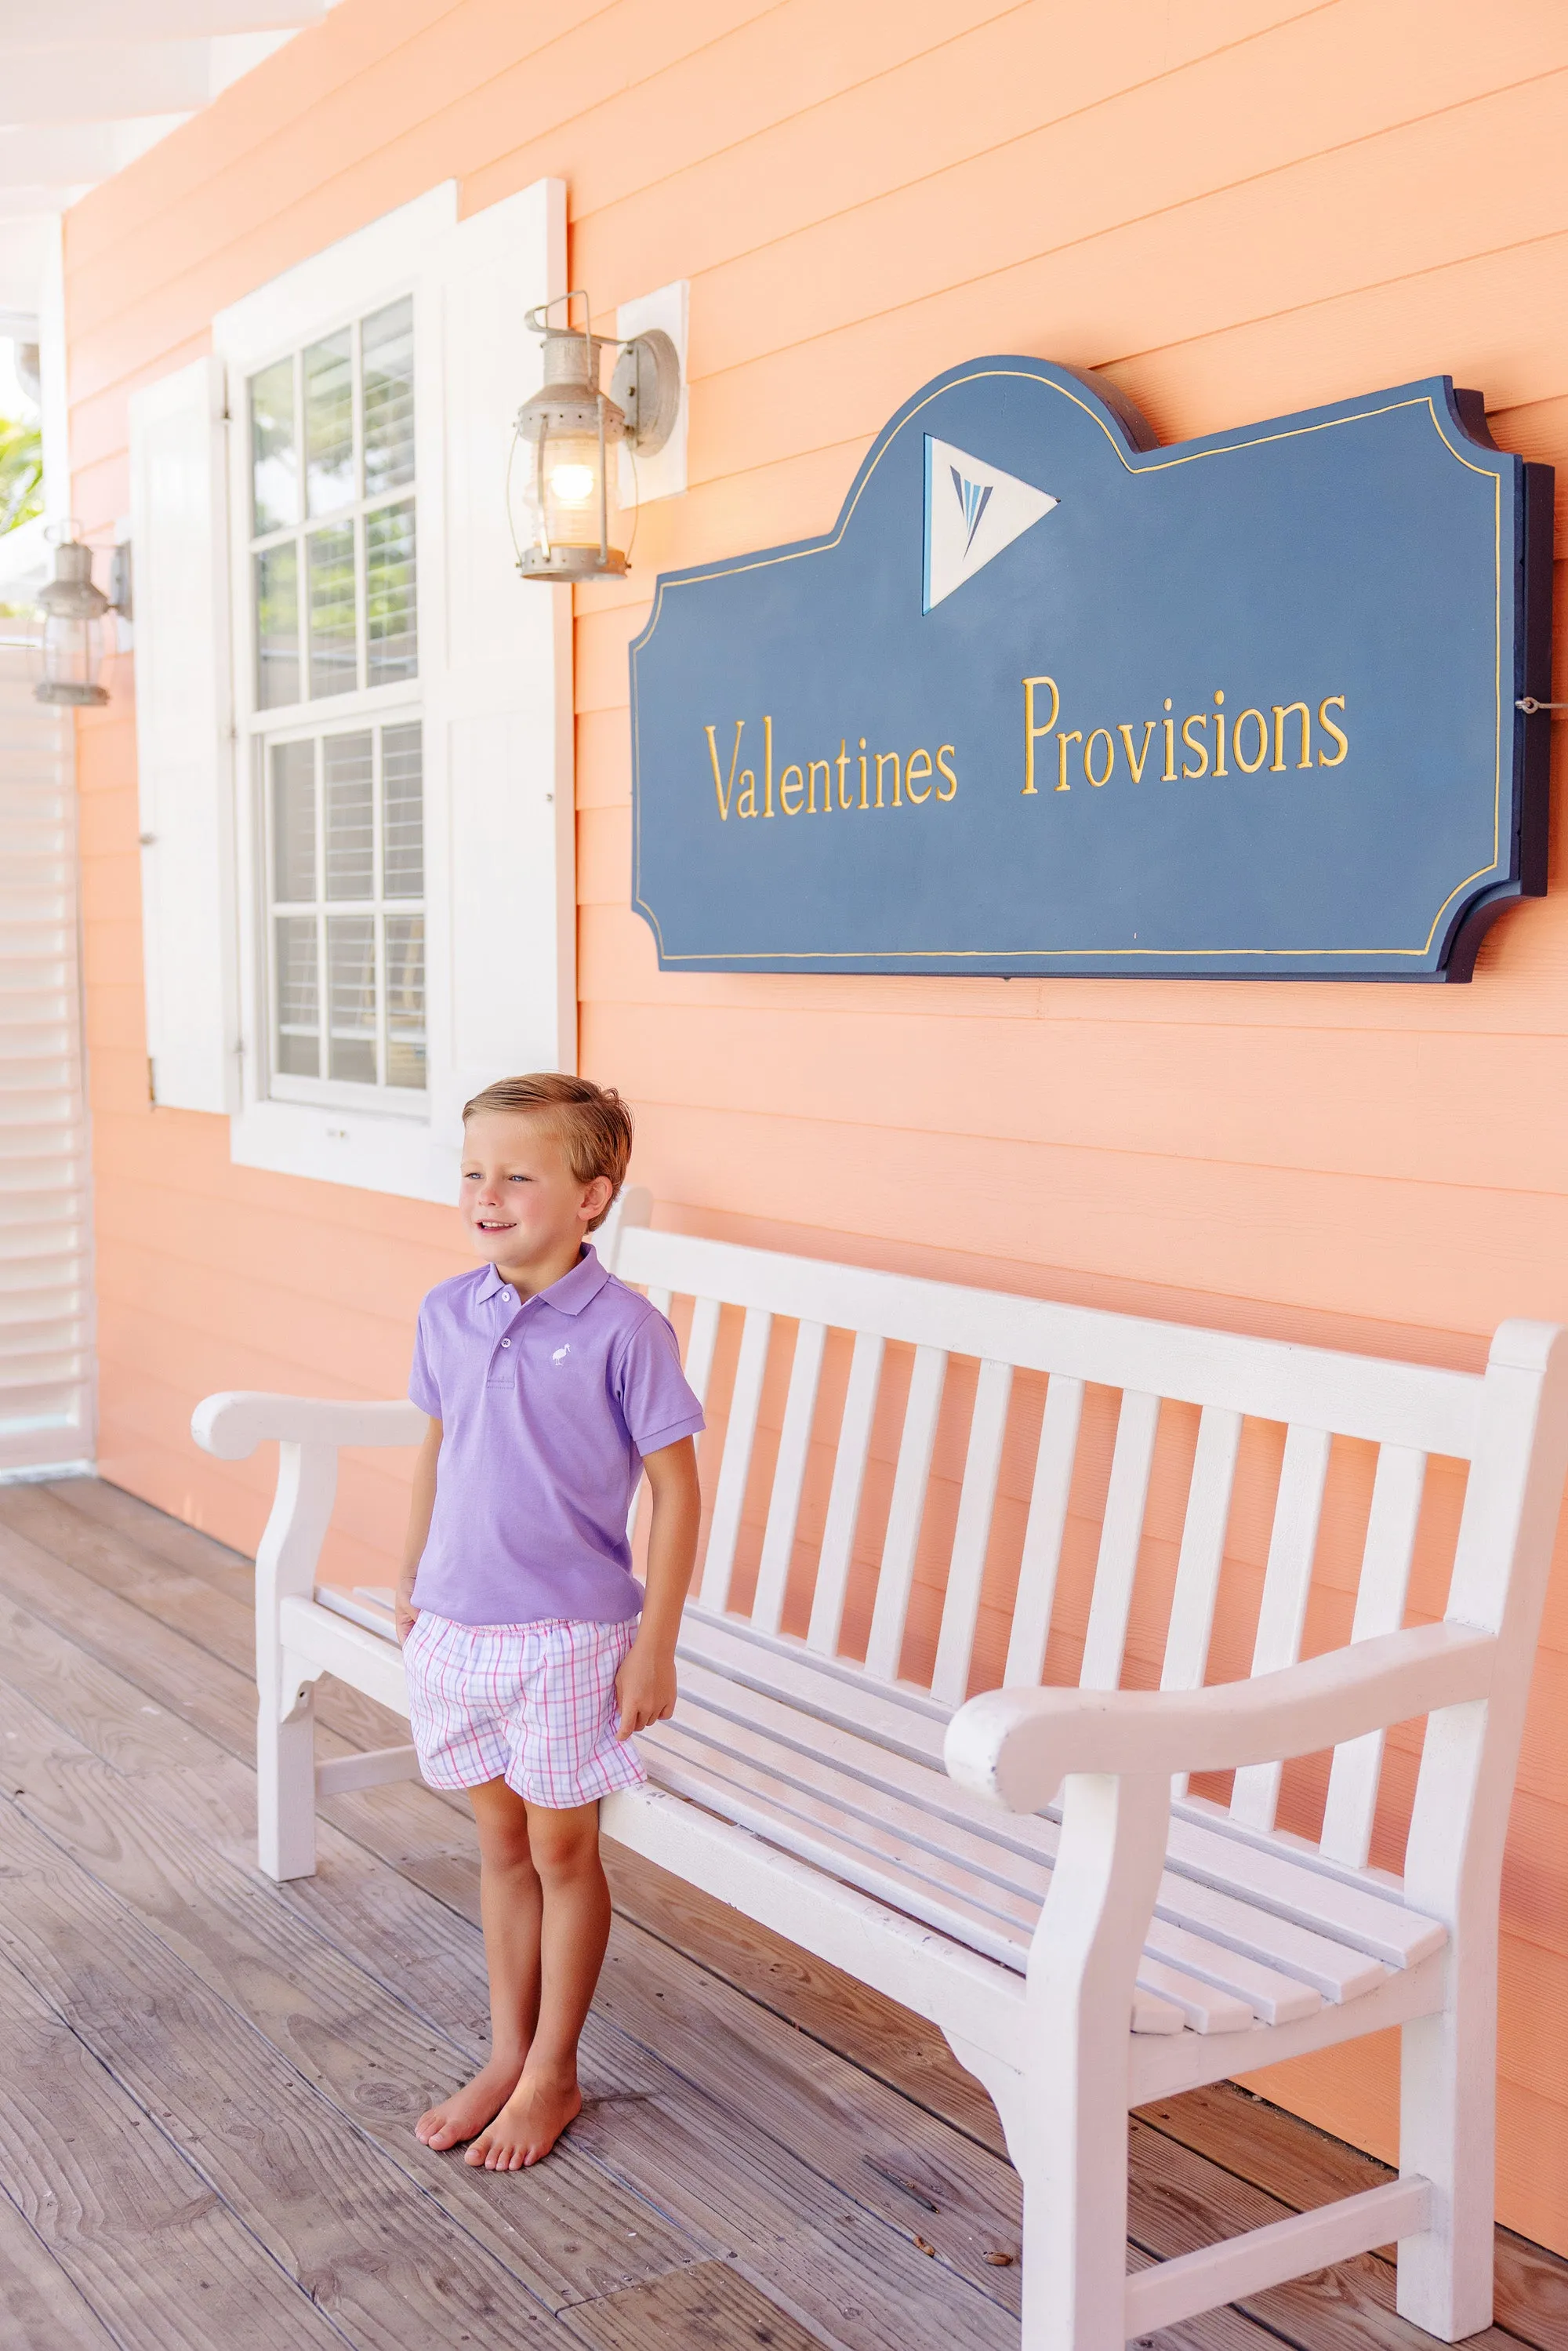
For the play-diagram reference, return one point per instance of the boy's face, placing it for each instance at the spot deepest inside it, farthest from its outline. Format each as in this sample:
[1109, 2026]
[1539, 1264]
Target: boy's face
[519, 1199]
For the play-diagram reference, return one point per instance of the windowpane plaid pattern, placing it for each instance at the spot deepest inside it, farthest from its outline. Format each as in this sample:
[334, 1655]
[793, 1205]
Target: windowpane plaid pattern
[531, 1704]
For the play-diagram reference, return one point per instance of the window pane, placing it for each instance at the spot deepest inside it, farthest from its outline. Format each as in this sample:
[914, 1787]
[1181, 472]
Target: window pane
[352, 998]
[294, 824]
[298, 1006]
[387, 342]
[329, 424]
[274, 449]
[277, 626]
[393, 650]
[406, 1000]
[350, 823]
[334, 658]
[403, 813]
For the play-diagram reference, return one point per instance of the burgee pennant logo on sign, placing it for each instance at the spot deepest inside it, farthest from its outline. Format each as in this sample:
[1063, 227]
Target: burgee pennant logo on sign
[972, 511]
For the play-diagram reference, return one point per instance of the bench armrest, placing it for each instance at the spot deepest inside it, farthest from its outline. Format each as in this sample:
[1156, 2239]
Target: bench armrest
[1016, 1746]
[232, 1425]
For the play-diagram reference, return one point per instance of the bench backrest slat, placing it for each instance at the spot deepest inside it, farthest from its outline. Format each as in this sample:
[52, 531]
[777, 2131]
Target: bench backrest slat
[740, 1435]
[972, 1535]
[1380, 1600]
[788, 1478]
[844, 1497]
[1287, 1584]
[1040, 1559]
[1202, 1554]
[1121, 1536]
[896, 1580]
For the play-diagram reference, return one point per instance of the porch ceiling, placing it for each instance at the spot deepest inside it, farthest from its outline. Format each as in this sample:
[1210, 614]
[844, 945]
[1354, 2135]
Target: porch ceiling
[87, 86]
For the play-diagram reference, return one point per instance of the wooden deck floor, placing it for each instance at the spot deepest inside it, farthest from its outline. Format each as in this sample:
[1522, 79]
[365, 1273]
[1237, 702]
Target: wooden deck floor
[207, 2083]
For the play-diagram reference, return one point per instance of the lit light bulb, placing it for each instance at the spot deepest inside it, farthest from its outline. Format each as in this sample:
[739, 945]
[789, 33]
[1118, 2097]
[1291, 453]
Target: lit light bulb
[572, 485]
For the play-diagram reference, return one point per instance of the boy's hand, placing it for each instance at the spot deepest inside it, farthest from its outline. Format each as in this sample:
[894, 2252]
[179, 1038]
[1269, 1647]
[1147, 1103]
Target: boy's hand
[645, 1688]
[403, 1615]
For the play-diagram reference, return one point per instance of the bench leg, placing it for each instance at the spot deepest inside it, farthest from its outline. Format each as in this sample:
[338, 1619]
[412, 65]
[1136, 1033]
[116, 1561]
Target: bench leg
[286, 1783]
[1448, 2126]
[1080, 1977]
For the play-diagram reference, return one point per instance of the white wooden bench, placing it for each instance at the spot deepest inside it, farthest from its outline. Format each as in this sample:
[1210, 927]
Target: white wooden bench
[1026, 1870]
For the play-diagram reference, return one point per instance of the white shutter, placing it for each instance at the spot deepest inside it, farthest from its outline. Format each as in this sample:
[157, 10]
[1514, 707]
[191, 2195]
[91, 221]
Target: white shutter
[500, 690]
[183, 738]
[45, 1307]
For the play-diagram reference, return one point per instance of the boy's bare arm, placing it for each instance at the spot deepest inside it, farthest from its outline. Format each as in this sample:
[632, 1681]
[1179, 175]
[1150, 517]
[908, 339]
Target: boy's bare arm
[421, 1503]
[645, 1685]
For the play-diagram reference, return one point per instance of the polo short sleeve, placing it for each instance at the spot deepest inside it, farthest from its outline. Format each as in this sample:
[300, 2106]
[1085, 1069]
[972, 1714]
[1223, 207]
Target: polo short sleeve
[650, 1389]
[421, 1388]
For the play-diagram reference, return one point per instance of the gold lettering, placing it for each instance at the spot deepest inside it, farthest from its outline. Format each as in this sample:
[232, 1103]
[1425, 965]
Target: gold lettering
[1061, 743]
[1329, 702]
[826, 766]
[1281, 712]
[864, 801]
[1138, 764]
[768, 763]
[1100, 732]
[948, 770]
[1250, 767]
[1219, 766]
[747, 804]
[1169, 725]
[791, 808]
[1031, 733]
[918, 765]
[1199, 718]
[722, 791]
[888, 759]
[843, 761]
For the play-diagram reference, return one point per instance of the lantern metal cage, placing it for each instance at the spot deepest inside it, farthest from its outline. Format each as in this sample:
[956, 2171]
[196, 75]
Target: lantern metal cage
[567, 429]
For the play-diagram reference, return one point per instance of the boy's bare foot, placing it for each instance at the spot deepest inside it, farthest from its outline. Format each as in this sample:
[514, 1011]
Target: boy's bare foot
[529, 2124]
[467, 2110]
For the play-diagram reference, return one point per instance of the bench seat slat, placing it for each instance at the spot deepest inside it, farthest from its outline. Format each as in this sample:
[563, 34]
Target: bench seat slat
[759, 1811]
[1264, 1904]
[1282, 1969]
[869, 1785]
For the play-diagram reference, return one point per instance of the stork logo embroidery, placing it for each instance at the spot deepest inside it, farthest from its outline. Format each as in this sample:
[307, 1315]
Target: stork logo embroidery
[561, 1354]
[972, 512]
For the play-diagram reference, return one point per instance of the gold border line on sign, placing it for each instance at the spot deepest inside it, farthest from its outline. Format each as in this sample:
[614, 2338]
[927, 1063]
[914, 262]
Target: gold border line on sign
[1154, 466]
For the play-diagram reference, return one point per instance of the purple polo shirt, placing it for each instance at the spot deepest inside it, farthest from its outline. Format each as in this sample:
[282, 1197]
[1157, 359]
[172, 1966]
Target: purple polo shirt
[546, 1406]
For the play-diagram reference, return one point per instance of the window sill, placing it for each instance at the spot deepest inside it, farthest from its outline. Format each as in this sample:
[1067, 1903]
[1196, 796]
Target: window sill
[373, 1151]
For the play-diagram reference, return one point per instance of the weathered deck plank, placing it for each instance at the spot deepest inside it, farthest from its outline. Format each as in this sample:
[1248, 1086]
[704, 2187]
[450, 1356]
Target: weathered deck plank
[769, 2152]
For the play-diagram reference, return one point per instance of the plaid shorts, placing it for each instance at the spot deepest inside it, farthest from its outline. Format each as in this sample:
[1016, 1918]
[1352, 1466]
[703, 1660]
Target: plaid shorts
[530, 1704]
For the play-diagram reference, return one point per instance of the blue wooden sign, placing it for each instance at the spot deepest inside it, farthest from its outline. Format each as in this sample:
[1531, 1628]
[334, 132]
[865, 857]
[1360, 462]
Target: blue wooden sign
[1052, 698]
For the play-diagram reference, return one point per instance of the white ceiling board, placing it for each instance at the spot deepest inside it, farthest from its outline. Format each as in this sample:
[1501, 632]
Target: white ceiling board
[154, 20]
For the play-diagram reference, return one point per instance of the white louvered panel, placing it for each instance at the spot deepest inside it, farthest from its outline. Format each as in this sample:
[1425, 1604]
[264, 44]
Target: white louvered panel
[46, 1369]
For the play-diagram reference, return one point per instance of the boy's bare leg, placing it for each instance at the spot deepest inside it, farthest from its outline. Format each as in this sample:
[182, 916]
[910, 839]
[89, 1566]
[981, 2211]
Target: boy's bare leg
[510, 1903]
[575, 1930]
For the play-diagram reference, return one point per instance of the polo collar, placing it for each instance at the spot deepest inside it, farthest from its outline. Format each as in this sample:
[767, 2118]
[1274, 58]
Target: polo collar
[570, 1294]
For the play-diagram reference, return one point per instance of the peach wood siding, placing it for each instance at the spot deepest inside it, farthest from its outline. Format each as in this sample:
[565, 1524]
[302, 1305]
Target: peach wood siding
[1235, 207]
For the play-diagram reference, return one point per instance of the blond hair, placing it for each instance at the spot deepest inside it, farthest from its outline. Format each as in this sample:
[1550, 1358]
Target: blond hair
[593, 1122]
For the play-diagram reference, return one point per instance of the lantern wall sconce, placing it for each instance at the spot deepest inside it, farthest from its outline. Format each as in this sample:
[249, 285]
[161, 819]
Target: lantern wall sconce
[567, 431]
[72, 650]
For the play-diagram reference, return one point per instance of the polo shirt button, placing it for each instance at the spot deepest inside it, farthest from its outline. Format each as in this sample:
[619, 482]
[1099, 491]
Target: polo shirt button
[506, 1342]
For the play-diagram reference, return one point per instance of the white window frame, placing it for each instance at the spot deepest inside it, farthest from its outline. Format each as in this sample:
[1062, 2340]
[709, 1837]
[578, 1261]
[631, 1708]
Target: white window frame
[346, 1134]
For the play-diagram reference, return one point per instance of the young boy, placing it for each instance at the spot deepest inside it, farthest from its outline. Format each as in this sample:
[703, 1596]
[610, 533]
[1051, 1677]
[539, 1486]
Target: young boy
[533, 1653]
